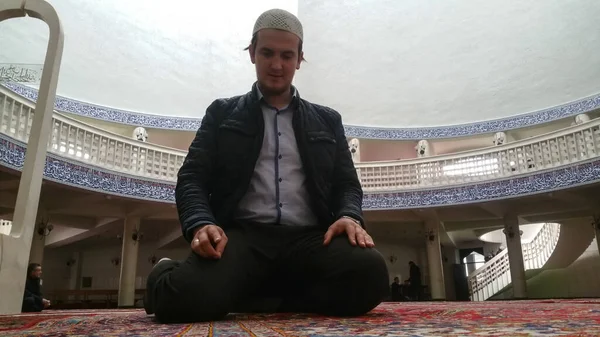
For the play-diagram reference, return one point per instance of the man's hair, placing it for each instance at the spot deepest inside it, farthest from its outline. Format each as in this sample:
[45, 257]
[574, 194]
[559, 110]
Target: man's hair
[31, 267]
[254, 41]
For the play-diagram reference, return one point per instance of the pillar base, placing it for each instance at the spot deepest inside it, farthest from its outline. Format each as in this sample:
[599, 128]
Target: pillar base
[437, 288]
[515, 257]
[129, 259]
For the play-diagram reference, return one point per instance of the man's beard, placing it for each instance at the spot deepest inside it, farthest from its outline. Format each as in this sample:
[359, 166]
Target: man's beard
[269, 91]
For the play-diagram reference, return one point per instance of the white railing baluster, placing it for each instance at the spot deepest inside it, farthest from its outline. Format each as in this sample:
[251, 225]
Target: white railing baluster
[91, 145]
[535, 254]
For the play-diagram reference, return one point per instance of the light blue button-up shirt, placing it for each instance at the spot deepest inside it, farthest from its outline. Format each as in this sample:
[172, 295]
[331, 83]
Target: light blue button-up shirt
[277, 193]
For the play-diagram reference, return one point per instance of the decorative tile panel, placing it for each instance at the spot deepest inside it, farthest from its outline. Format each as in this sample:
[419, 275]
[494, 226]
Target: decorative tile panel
[584, 105]
[544, 182]
[12, 155]
[67, 172]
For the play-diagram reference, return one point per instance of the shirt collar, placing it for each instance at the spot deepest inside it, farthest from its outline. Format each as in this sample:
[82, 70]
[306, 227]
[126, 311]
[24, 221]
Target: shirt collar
[293, 89]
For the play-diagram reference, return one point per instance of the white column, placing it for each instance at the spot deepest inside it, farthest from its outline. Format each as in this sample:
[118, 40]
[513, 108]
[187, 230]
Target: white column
[515, 256]
[75, 271]
[129, 257]
[597, 229]
[450, 254]
[38, 242]
[434, 258]
[75, 266]
[424, 265]
[36, 254]
[14, 249]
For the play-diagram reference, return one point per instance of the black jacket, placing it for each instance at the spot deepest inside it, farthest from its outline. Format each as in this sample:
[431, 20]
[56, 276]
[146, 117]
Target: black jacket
[415, 275]
[32, 299]
[219, 165]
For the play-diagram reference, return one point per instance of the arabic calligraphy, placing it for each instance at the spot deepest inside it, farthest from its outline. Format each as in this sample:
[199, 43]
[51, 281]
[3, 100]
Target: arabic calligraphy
[21, 73]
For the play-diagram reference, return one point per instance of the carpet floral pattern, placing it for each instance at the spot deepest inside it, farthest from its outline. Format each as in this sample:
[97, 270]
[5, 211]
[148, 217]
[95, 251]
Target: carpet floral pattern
[505, 318]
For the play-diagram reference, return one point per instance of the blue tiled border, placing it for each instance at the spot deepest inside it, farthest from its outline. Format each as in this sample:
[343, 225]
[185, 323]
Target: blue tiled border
[12, 155]
[542, 182]
[57, 169]
[191, 124]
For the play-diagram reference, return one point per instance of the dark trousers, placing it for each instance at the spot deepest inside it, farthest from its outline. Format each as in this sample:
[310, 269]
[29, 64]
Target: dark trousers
[288, 265]
[415, 291]
[32, 304]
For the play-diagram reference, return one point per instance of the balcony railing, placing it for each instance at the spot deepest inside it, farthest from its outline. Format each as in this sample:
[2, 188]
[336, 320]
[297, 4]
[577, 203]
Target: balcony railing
[567, 146]
[85, 143]
[76, 140]
[495, 275]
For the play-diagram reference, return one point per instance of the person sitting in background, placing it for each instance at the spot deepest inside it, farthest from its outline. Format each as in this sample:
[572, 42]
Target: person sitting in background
[405, 289]
[32, 299]
[396, 290]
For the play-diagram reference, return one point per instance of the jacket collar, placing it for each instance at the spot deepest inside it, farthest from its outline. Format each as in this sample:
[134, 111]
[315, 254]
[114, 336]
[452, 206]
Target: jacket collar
[256, 95]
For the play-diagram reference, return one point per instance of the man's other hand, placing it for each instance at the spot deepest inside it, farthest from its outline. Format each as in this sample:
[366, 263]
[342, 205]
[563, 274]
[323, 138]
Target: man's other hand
[209, 242]
[356, 234]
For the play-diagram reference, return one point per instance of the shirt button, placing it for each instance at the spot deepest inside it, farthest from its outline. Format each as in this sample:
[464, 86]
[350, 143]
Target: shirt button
[280, 205]
[280, 156]
[280, 180]
[279, 133]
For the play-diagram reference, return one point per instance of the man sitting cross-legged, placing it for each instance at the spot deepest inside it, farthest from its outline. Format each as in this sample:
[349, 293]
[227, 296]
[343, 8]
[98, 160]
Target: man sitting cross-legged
[269, 198]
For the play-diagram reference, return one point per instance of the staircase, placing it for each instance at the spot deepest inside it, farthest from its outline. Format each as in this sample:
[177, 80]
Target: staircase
[494, 275]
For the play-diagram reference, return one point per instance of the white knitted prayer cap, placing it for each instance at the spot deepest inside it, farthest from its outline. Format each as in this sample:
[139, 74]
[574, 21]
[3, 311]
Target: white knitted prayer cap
[279, 19]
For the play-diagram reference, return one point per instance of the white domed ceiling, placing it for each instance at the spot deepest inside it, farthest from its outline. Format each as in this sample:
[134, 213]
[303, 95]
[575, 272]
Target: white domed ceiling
[380, 63]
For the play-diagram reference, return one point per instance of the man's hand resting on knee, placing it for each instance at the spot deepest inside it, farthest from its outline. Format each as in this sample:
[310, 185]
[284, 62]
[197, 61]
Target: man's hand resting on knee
[356, 234]
[209, 241]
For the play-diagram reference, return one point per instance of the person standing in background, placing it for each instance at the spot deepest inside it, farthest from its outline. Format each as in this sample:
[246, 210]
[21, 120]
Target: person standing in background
[415, 281]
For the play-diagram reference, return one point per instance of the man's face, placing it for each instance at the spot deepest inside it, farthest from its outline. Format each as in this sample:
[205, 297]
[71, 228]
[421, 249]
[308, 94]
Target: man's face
[37, 272]
[276, 59]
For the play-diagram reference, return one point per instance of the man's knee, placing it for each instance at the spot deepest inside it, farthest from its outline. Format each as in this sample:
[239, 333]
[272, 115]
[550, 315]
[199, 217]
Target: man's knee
[187, 304]
[366, 265]
[371, 278]
[179, 309]
[365, 286]
[368, 262]
[167, 315]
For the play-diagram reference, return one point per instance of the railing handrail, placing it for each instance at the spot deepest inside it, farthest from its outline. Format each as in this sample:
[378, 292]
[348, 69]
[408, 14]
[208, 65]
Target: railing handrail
[489, 263]
[382, 163]
[482, 151]
[94, 129]
[94, 145]
[546, 238]
[547, 226]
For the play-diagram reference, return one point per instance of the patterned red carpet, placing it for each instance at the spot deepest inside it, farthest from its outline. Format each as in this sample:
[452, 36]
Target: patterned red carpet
[519, 318]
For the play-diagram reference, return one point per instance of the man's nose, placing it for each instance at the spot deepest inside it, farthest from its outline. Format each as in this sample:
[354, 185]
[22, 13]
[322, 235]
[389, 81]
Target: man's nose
[276, 64]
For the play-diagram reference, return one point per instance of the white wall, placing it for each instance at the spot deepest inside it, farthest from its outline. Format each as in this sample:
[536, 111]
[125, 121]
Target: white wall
[580, 279]
[96, 263]
[404, 254]
[415, 62]
[160, 57]
[384, 63]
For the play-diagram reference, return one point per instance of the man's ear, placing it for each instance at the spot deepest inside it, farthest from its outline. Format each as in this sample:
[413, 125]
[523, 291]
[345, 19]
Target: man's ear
[251, 51]
[300, 58]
